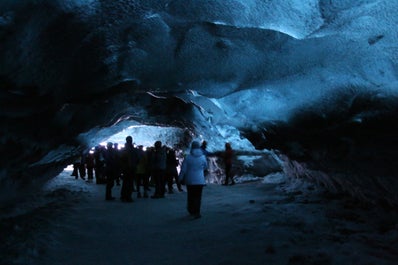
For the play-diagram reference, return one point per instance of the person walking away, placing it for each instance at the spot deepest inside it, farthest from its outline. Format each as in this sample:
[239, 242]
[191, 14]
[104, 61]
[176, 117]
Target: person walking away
[158, 166]
[90, 166]
[110, 170]
[99, 164]
[227, 156]
[130, 160]
[82, 166]
[192, 175]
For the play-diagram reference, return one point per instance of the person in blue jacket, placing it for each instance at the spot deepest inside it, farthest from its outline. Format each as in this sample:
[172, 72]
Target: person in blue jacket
[192, 175]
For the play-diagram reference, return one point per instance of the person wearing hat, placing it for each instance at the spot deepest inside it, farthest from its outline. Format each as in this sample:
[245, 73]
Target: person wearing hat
[192, 175]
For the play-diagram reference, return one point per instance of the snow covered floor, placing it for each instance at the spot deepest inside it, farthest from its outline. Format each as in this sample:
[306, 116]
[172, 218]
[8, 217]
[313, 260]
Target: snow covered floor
[251, 223]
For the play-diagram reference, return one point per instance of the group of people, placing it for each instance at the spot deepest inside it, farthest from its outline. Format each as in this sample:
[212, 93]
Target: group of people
[136, 167]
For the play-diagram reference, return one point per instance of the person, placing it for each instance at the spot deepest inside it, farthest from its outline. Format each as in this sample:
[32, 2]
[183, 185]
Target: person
[207, 154]
[158, 167]
[99, 164]
[110, 170]
[227, 156]
[76, 167]
[192, 175]
[142, 172]
[82, 168]
[130, 160]
[203, 147]
[171, 170]
[90, 166]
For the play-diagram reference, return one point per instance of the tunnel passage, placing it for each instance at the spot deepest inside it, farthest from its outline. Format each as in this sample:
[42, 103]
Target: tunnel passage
[283, 77]
[247, 160]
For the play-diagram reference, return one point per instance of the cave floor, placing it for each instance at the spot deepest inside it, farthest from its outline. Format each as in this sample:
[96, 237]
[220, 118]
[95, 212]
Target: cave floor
[250, 223]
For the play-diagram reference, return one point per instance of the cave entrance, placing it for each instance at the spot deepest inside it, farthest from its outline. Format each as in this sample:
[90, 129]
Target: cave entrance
[145, 135]
[247, 164]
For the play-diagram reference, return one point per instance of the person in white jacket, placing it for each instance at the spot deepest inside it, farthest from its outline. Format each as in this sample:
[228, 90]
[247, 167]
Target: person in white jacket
[192, 175]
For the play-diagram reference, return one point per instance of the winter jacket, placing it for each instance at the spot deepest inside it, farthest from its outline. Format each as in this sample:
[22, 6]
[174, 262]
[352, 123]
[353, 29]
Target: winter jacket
[130, 158]
[192, 169]
[159, 159]
[228, 154]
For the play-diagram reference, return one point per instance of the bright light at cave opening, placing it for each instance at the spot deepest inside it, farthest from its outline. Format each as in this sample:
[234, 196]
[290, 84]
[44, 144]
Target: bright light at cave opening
[147, 136]
[144, 135]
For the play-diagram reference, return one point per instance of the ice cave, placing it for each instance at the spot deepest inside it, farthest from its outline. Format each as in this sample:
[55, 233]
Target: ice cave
[304, 89]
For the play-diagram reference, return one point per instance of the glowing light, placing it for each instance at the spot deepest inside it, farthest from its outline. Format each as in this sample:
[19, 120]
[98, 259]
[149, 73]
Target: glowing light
[69, 168]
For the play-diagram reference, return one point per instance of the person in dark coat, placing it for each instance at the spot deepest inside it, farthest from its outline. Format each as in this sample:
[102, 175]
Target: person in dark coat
[99, 164]
[110, 158]
[227, 156]
[158, 167]
[90, 166]
[130, 160]
[82, 166]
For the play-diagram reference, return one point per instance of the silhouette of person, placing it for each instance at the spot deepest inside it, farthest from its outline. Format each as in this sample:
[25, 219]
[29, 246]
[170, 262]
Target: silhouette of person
[90, 166]
[130, 160]
[158, 167]
[82, 166]
[99, 164]
[227, 156]
[203, 147]
[110, 158]
[192, 175]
